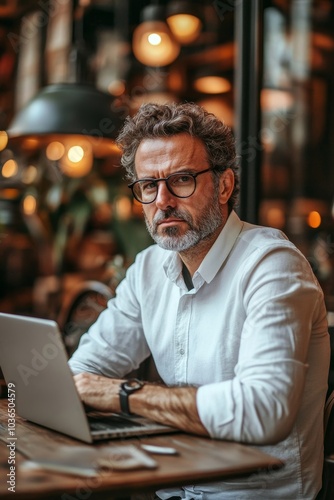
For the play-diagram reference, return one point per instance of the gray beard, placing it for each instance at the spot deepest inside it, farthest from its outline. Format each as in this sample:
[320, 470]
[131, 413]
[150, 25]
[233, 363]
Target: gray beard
[210, 220]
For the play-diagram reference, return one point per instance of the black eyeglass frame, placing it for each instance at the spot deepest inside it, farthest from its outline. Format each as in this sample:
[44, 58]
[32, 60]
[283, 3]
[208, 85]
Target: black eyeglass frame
[166, 179]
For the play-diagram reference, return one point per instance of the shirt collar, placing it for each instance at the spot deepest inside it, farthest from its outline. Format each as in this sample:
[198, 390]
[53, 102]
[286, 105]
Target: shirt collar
[213, 259]
[221, 248]
[173, 268]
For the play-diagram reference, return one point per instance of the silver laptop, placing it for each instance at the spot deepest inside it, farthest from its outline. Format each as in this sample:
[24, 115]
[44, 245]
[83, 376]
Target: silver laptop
[34, 359]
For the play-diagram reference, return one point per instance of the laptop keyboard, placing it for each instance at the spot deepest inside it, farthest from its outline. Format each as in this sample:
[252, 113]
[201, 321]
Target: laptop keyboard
[114, 422]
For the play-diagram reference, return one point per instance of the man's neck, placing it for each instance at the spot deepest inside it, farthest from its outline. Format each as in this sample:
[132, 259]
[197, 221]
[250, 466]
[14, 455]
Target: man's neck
[193, 257]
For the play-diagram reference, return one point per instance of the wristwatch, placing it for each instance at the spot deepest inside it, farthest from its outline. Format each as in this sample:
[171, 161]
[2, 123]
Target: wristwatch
[125, 390]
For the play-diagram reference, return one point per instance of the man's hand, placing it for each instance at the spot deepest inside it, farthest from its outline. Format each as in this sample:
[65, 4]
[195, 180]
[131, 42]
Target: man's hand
[98, 392]
[175, 406]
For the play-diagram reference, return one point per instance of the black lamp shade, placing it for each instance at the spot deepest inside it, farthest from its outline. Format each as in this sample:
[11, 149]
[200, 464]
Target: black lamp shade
[68, 108]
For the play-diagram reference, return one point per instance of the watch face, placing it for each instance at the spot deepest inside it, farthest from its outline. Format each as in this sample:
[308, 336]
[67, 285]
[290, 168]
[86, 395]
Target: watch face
[132, 384]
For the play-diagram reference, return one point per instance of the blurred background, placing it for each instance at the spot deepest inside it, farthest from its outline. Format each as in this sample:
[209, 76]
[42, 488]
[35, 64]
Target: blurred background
[70, 73]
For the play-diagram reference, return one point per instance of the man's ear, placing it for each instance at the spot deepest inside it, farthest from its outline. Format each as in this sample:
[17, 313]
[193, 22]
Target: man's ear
[226, 185]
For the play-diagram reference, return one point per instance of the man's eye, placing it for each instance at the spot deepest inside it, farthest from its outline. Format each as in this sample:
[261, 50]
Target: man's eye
[182, 179]
[148, 186]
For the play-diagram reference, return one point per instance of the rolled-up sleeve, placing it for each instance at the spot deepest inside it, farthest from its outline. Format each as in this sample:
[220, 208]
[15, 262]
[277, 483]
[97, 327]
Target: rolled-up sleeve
[283, 309]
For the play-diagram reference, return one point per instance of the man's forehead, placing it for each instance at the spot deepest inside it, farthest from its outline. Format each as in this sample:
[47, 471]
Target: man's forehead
[178, 143]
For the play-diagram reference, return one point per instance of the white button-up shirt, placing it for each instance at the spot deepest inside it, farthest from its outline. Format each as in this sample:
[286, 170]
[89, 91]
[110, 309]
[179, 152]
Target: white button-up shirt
[251, 334]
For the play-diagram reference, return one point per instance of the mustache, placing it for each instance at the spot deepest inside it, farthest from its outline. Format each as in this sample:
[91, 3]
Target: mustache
[171, 212]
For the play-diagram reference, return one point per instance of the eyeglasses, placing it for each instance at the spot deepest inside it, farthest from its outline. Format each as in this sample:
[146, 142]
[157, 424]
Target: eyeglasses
[180, 184]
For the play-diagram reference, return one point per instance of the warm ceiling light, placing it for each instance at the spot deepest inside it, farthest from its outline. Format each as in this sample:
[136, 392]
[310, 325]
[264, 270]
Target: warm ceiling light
[314, 219]
[153, 43]
[184, 21]
[75, 154]
[66, 109]
[212, 84]
[55, 150]
[78, 158]
[154, 39]
[29, 204]
[185, 27]
[3, 139]
[9, 169]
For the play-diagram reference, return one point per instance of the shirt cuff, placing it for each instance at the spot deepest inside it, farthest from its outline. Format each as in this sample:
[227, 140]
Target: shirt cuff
[215, 409]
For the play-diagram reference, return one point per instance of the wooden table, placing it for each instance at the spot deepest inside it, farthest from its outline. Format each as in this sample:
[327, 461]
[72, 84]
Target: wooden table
[199, 460]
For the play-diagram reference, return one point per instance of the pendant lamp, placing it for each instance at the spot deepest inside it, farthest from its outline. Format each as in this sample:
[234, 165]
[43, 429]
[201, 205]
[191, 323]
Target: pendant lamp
[153, 42]
[74, 121]
[184, 20]
[65, 109]
[212, 84]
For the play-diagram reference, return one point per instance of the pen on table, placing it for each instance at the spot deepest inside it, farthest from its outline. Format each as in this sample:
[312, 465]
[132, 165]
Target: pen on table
[159, 450]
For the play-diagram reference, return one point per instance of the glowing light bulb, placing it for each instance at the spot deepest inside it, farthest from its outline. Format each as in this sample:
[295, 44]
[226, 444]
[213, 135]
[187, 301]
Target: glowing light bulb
[185, 27]
[75, 154]
[9, 169]
[55, 150]
[212, 85]
[154, 38]
[314, 219]
[3, 139]
[154, 44]
[78, 160]
[29, 204]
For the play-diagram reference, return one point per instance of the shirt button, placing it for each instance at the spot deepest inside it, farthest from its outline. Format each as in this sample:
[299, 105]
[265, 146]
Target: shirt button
[182, 352]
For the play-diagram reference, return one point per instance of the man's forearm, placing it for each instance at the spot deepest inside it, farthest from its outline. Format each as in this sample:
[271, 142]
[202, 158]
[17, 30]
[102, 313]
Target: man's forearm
[172, 406]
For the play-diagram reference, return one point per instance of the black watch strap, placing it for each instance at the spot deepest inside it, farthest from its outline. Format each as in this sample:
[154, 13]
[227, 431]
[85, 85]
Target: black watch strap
[125, 390]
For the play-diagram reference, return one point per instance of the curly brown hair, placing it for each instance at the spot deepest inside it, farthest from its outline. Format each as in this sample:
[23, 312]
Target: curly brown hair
[163, 120]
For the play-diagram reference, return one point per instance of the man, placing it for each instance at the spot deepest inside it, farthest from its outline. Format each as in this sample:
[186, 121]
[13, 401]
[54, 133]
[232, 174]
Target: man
[231, 312]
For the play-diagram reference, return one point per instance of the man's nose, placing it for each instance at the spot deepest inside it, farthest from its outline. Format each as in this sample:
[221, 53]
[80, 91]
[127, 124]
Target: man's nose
[164, 197]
